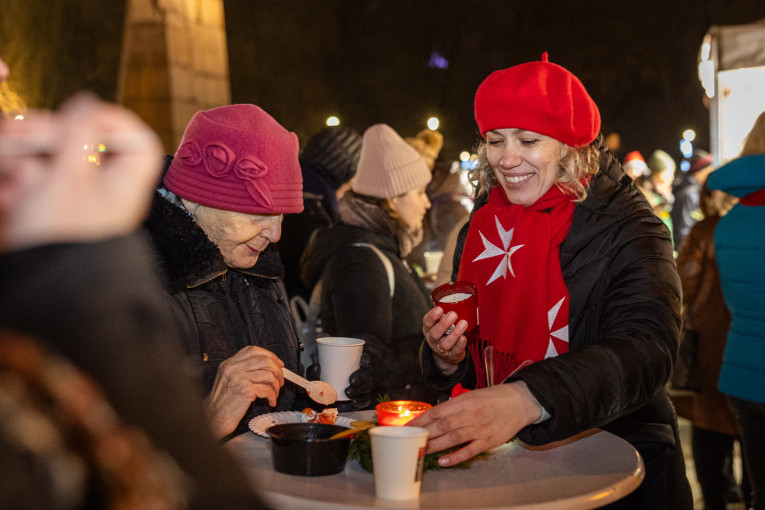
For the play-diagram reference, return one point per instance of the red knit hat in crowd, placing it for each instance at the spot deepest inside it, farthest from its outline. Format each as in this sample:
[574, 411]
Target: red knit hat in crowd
[238, 158]
[700, 160]
[540, 97]
[634, 161]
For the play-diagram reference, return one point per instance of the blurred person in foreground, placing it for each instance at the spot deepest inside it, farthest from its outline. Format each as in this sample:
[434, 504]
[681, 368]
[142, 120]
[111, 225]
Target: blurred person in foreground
[714, 429]
[384, 209]
[740, 249]
[328, 163]
[100, 411]
[577, 291]
[213, 224]
[686, 190]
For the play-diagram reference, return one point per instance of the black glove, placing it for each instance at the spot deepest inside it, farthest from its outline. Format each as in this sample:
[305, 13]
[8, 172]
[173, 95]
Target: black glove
[360, 382]
[313, 373]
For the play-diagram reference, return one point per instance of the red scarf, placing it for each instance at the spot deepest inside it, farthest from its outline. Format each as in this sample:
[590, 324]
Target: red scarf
[512, 254]
[754, 199]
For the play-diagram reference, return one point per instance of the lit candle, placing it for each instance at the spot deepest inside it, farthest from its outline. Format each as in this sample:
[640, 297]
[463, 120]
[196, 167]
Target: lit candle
[399, 412]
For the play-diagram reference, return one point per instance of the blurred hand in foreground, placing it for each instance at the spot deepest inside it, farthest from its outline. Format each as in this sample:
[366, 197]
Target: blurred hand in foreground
[52, 189]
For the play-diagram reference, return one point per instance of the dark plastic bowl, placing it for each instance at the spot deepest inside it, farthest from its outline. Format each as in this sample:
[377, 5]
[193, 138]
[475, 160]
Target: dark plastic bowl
[305, 449]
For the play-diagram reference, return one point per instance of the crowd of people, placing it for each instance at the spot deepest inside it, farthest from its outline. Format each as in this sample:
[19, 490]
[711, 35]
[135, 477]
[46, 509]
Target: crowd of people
[167, 282]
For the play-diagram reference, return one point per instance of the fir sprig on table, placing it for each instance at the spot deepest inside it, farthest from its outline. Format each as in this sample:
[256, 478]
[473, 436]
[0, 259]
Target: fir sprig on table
[361, 451]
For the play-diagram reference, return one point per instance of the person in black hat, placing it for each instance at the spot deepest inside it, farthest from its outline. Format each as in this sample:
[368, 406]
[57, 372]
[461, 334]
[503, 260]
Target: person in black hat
[328, 162]
[687, 192]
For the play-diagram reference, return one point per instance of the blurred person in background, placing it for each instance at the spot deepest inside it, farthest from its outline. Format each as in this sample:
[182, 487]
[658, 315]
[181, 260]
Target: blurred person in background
[657, 188]
[686, 208]
[328, 163]
[635, 166]
[101, 411]
[714, 429]
[740, 250]
[385, 209]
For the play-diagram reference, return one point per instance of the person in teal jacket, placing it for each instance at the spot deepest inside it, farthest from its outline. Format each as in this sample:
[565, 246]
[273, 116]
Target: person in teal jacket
[740, 248]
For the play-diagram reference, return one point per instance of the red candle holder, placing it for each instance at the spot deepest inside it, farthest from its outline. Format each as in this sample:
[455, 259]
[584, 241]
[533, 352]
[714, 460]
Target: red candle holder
[399, 412]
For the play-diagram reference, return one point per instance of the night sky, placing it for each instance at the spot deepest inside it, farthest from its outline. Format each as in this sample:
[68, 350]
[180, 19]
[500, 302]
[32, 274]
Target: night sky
[367, 61]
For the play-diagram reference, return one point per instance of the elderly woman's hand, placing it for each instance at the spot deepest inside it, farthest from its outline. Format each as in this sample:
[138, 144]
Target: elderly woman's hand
[448, 346]
[482, 419]
[251, 373]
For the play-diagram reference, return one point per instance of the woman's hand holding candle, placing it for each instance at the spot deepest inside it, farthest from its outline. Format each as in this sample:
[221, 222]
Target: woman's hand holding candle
[482, 418]
[448, 349]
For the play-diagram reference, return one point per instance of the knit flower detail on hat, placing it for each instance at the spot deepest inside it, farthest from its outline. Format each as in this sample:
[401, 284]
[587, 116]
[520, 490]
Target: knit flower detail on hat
[189, 154]
[252, 171]
[218, 160]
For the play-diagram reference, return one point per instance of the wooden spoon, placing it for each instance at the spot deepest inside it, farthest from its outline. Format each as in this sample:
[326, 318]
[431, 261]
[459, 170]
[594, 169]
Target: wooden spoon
[358, 426]
[319, 391]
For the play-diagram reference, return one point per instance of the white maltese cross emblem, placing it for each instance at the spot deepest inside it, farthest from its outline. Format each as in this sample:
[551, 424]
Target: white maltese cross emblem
[506, 251]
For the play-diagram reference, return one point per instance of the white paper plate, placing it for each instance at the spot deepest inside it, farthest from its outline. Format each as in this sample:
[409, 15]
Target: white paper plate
[259, 424]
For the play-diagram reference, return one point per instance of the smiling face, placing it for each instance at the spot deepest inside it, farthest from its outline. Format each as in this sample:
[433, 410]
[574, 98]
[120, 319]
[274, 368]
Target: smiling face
[525, 163]
[240, 237]
[410, 208]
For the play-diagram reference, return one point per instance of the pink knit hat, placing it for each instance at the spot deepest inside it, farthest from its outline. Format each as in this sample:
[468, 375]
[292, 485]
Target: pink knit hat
[388, 166]
[238, 158]
[541, 97]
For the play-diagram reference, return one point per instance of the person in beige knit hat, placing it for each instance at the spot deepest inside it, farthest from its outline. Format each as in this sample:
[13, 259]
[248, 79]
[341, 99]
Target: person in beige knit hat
[367, 288]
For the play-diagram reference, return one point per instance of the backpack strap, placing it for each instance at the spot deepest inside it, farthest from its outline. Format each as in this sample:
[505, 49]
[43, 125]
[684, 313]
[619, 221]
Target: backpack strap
[306, 314]
[386, 262]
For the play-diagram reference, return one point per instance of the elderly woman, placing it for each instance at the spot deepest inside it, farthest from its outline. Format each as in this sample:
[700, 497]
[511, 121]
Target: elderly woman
[381, 220]
[577, 290]
[235, 174]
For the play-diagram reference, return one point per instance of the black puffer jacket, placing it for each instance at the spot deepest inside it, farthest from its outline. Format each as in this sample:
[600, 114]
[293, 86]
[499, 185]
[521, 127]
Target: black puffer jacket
[356, 302]
[219, 310]
[624, 322]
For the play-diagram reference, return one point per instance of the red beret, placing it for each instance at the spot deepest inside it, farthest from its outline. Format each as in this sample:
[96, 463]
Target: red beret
[238, 158]
[540, 97]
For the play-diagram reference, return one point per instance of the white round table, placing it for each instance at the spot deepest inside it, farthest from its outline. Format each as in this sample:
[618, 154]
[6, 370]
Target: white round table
[587, 471]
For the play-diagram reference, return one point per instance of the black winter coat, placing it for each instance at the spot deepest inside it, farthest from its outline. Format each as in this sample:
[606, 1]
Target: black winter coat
[624, 322]
[219, 310]
[356, 302]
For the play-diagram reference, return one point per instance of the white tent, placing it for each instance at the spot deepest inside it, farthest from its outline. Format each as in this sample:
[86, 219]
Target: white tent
[732, 71]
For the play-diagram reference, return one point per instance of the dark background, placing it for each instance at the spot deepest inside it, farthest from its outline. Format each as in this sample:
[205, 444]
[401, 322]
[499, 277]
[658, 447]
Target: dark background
[367, 60]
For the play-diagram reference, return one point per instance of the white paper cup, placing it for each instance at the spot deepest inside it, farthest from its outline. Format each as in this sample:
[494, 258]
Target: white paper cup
[398, 458]
[339, 358]
[432, 261]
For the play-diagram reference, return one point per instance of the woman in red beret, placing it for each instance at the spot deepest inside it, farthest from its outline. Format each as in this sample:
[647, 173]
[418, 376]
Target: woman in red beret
[578, 294]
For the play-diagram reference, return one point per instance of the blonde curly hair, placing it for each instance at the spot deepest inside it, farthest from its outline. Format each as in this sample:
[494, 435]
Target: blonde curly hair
[575, 166]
